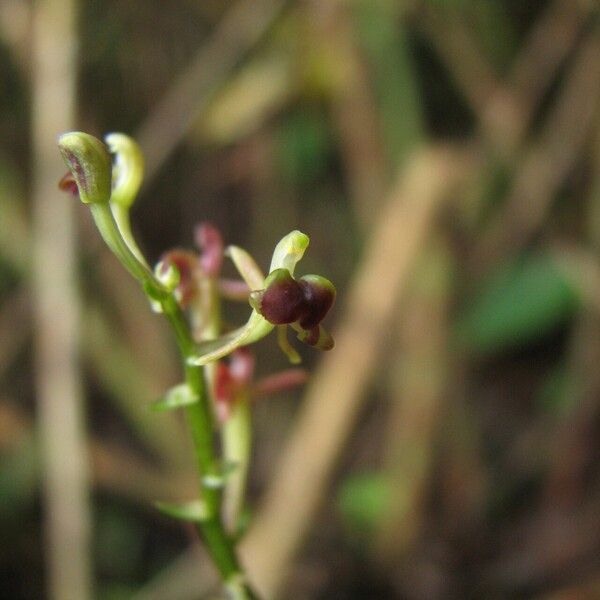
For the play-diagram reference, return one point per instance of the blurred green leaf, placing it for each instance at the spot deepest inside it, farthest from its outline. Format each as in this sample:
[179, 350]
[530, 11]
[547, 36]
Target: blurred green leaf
[450, 3]
[555, 394]
[15, 244]
[363, 499]
[519, 303]
[303, 147]
[119, 543]
[18, 478]
[494, 31]
[247, 101]
[383, 34]
[116, 591]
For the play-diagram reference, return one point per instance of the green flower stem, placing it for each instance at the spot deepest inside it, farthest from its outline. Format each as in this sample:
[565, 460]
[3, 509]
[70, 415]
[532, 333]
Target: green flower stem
[199, 415]
[200, 421]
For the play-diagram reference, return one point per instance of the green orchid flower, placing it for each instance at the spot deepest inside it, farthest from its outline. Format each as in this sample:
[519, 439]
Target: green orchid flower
[277, 300]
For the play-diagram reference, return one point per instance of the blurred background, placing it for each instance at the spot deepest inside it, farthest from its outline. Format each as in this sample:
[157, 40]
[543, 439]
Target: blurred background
[444, 158]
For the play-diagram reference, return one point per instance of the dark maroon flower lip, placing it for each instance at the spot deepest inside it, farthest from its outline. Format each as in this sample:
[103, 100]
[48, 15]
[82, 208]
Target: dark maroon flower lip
[319, 296]
[282, 301]
[285, 301]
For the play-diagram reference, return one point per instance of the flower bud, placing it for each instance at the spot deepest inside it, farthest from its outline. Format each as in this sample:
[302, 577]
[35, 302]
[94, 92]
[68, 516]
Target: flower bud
[282, 300]
[319, 296]
[128, 169]
[185, 264]
[241, 366]
[89, 162]
[167, 274]
[231, 379]
[208, 239]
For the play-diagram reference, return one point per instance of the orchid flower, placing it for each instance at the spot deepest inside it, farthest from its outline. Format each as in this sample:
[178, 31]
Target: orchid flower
[277, 300]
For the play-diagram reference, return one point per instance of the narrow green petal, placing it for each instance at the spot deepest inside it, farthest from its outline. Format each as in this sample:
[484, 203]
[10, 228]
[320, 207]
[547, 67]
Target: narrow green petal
[246, 267]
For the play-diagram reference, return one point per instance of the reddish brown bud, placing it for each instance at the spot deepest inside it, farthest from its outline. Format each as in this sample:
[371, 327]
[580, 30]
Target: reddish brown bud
[232, 378]
[223, 383]
[319, 296]
[185, 262]
[223, 390]
[241, 366]
[282, 300]
[209, 240]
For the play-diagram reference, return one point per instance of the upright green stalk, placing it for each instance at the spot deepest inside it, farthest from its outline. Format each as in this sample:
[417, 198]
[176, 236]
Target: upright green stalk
[198, 414]
[200, 421]
[110, 189]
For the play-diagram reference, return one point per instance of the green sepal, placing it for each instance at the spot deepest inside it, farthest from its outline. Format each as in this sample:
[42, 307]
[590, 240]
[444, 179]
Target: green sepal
[177, 397]
[195, 511]
[286, 347]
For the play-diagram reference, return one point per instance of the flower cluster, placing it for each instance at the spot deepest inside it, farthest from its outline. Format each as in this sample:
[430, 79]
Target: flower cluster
[278, 300]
